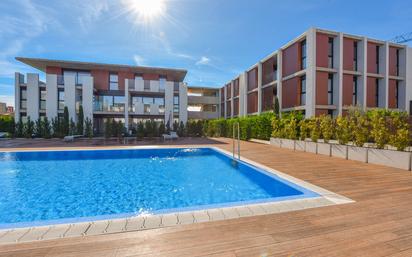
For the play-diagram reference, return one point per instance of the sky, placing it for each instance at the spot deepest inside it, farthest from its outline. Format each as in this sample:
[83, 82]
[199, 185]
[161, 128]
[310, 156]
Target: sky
[214, 40]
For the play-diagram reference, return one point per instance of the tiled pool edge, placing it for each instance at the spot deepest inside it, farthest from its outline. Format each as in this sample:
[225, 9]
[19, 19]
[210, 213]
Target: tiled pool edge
[326, 198]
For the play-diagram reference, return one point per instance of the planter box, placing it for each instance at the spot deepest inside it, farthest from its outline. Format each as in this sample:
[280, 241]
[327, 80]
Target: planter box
[288, 144]
[300, 145]
[401, 160]
[356, 153]
[339, 151]
[311, 147]
[275, 141]
[324, 149]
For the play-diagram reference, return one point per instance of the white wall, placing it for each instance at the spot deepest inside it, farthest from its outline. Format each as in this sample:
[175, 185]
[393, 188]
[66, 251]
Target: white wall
[310, 72]
[70, 95]
[169, 103]
[87, 97]
[408, 78]
[183, 102]
[33, 96]
[18, 78]
[51, 96]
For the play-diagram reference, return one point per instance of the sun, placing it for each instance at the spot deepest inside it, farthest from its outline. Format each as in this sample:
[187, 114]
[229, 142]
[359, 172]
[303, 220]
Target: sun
[146, 10]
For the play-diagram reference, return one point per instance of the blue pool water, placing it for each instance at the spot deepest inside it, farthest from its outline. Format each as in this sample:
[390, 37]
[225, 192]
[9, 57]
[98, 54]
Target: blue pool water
[60, 186]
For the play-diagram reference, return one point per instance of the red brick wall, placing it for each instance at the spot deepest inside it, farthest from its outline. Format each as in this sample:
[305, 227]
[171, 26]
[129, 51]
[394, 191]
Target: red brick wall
[267, 98]
[236, 106]
[392, 94]
[290, 94]
[267, 71]
[371, 92]
[252, 102]
[236, 87]
[322, 88]
[252, 79]
[228, 91]
[222, 94]
[54, 70]
[348, 53]
[347, 89]
[147, 76]
[101, 79]
[322, 50]
[122, 77]
[392, 61]
[372, 68]
[291, 59]
[228, 108]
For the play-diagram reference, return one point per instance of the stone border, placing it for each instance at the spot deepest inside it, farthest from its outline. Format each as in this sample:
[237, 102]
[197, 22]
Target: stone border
[385, 157]
[145, 222]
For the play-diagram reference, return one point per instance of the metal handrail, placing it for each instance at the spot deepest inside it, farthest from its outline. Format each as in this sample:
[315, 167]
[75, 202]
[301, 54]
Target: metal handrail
[238, 140]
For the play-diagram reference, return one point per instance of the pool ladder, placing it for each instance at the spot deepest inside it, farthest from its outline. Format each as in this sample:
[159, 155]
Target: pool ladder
[236, 125]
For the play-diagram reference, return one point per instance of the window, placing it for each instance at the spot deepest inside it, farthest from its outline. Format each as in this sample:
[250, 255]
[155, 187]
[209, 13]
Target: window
[60, 99]
[160, 101]
[176, 86]
[162, 83]
[330, 89]
[113, 81]
[397, 94]
[176, 104]
[330, 52]
[377, 92]
[146, 85]
[275, 72]
[303, 54]
[42, 100]
[303, 90]
[78, 75]
[355, 91]
[146, 108]
[397, 62]
[147, 100]
[23, 98]
[377, 59]
[118, 103]
[355, 55]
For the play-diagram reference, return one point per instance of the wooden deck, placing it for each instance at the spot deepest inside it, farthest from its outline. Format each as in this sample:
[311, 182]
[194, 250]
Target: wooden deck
[378, 224]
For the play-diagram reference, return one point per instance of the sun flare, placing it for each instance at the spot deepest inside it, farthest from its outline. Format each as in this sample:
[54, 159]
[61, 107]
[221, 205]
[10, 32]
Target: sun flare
[147, 10]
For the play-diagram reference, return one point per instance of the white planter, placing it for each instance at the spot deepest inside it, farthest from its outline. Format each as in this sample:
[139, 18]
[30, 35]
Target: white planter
[288, 144]
[311, 147]
[324, 149]
[275, 141]
[356, 153]
[396, 159]
[340, 151]
[300, 145]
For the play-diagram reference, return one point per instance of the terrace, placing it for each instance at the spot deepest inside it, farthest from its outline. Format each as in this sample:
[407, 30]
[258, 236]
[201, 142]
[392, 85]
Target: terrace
[378, 223]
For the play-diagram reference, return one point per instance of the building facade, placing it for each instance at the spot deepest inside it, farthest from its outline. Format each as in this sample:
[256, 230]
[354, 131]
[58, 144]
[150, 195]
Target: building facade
[105, 91]
[324, 72]
[203, 103]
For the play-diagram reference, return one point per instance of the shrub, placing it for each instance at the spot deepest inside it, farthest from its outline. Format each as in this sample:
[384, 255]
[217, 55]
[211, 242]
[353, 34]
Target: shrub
[140, 131]
[277, 127]
[343, 131]
[28, 128]
[88, 128]
[326, 127]
[162, 128]
[108, 130]
[314, 128]
[38, 128]
[379, 129]
[399, 137]
[181, 129]
[46, 128]
[359, 125]
[7, 124]
[55, 127]
[65, 124]
[19, 131]
[304, 129]
[80, 121]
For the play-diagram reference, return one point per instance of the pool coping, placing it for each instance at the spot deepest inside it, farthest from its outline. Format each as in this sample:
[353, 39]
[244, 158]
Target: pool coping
[146, 222]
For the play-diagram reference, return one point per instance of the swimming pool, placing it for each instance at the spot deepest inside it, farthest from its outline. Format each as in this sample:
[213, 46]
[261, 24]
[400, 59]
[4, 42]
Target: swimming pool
[51, 187]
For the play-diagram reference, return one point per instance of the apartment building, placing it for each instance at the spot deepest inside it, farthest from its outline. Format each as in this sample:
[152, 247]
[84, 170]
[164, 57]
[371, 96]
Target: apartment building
[203, 103]
[324, 72]
[105, 91]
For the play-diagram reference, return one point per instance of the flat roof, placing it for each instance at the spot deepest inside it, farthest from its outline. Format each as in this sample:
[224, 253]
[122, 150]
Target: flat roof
[41, 64]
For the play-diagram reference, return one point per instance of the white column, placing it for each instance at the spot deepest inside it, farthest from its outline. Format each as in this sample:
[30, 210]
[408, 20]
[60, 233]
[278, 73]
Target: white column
[245, 79]
[311, 73]
[407, 70]
[224, 100]
[127, 83]
[364, 66]
[51, 96]
[70, 96]
[33, 96]
[260, 81]
[169, 103]
[232, 100]
[87, 97]
[340, 73]
[183, 102]
[242, 90]
[18, 79]
[280, 77]
[386, 74]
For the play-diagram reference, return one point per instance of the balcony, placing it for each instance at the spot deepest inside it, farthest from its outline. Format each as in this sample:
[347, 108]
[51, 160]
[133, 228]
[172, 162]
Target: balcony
[79, 80]
[140, 85]
[147, 109]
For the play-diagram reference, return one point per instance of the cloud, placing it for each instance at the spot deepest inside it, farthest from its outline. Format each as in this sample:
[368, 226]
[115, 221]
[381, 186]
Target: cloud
[203, 61]
[139, 60]
[91, 11]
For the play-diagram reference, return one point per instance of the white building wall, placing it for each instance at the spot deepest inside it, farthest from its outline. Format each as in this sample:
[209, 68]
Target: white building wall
[280, 77]
[340, 73]
[385, 82]
[242, 92]
[408, 78]
[139, 84]
[51, 96]
[310, 73]
[169, 103]
[70, 96]
[154, 85]
[183, 102]
[33, 96]
[18, 79]
[87, 97]
[260, 81]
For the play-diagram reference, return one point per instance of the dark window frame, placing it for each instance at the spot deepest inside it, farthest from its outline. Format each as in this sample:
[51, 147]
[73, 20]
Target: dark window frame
[330, 90]
[397, 61]
[331, 47]
[23, 99]
[355, 55]
[42, 100]
[377, 92]
[302, 91]
[397, 94]
[303, 53]
[60, 101]
[113, 82]
[355, 90]
[377, 59]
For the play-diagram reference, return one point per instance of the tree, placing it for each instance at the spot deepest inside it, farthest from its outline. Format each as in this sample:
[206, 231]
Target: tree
[88, 128]
[38, 128]
[108, 129]
[140, 131]
[56, 127]
[46, 128]
[72, 127]
[276, 108]
[19, 131]
[29, 128]
[175, 126]
[65, 125]
[181, 129]
[80, 121]
[162, 128]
